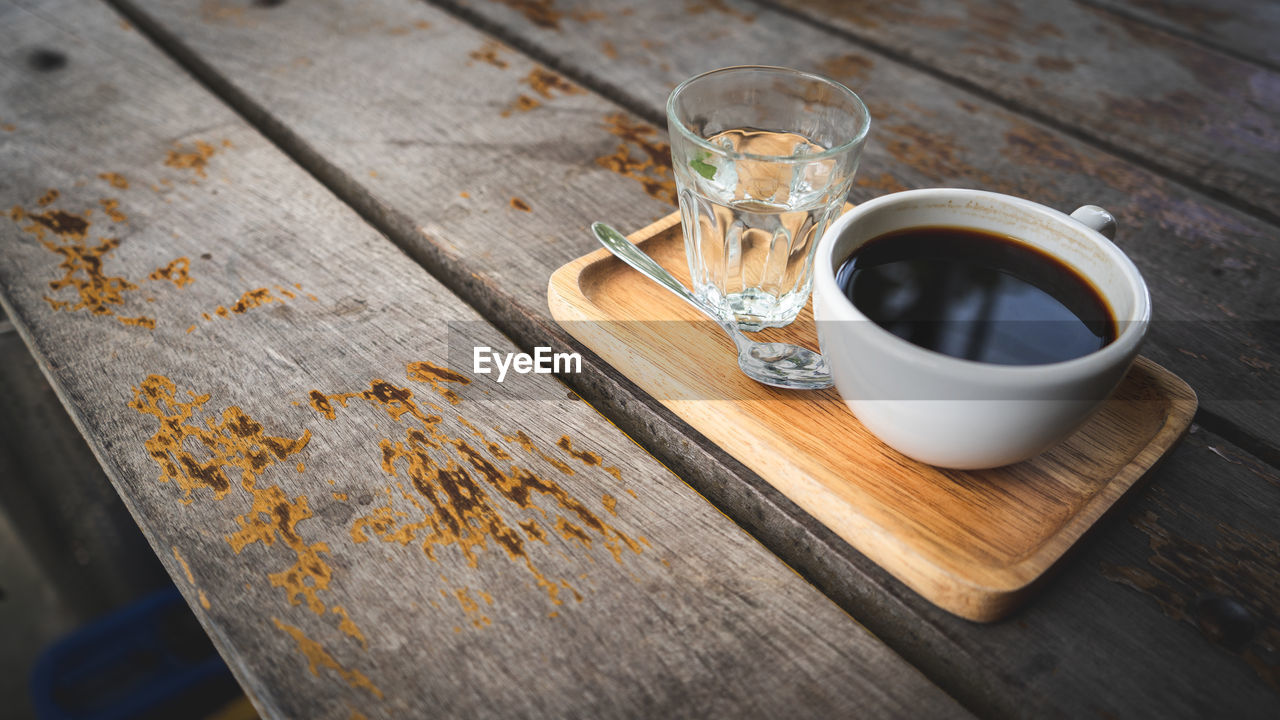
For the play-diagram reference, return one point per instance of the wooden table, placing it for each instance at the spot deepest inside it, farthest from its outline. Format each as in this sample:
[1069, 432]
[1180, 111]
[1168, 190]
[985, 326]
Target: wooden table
[252, 242]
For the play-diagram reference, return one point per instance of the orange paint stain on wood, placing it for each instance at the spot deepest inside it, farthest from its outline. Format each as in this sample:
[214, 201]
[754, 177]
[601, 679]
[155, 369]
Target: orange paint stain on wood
[195, 159]
[141, 321]
[254, 298]
[349, 627]
[587, 457]
[236, 443]
[178, 272]
[116, 180]
[640, 156]
[569, 531]
[82, 264]
[68, 226]
[318, 657]
[533, 530]
[489, 53]
[436, 376]
[186, 569]
[527, 444]
[522, 103]
[111, 207]
[274, 516]
[472, 608]
[191, 578]
[546, 83]
[445, 491]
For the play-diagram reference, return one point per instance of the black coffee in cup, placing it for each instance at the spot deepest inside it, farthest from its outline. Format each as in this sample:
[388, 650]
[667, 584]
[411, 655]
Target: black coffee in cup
[977, 296]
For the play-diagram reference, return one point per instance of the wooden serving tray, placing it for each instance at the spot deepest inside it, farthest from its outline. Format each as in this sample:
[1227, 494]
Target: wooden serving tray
[972, 542]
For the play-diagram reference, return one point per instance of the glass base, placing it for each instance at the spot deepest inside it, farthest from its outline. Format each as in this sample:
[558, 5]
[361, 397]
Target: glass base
[754, 309]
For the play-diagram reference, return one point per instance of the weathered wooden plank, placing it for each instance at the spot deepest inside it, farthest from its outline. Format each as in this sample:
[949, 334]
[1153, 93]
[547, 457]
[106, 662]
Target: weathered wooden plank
[360, 529]
[1206, 263]
[1091, 644]
[1192, 112]
[1247, 28]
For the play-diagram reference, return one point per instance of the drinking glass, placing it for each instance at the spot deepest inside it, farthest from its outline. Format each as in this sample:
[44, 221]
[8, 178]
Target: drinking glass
[763, 160]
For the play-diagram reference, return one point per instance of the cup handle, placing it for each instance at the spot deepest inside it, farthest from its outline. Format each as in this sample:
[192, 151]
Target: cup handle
[1096, 219]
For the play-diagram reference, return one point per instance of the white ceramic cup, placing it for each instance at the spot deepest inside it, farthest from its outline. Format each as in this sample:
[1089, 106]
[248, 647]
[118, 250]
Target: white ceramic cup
[958, 413]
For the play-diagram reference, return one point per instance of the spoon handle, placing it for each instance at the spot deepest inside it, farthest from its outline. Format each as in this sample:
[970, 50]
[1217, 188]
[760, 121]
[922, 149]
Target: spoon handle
[626, 251]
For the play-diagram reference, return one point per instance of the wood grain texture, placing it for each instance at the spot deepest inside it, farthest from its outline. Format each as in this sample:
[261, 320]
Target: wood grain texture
[1177, 105]
[1208, 266]
[359, 528]
[1092, 644]
[1246, 28]
[974, 543]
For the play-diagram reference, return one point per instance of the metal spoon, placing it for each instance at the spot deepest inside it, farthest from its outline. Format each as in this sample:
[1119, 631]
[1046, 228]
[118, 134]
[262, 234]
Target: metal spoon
[777, 364]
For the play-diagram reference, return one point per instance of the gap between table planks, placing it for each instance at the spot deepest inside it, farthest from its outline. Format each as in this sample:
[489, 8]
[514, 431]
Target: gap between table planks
[501, 267]
[358, 527]
[1195, 114]
[1204, 262]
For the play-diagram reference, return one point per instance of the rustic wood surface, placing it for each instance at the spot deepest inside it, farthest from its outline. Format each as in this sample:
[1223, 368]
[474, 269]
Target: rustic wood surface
[361, 530]
[1142, 616]
[1246, 28]
[1207, 118]
[1206, 263]
[974, 543]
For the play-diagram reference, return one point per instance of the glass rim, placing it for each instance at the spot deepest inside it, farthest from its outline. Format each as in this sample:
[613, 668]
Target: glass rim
[686, 131]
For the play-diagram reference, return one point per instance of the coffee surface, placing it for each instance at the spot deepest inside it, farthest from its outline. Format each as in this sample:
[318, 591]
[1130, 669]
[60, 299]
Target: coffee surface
[976, 295]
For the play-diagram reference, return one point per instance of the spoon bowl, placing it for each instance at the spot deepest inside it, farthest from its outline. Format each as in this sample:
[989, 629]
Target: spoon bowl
[776, 364]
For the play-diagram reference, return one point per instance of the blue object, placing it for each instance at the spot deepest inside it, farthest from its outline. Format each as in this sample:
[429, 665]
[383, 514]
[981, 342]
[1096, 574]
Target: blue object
[146, 658]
